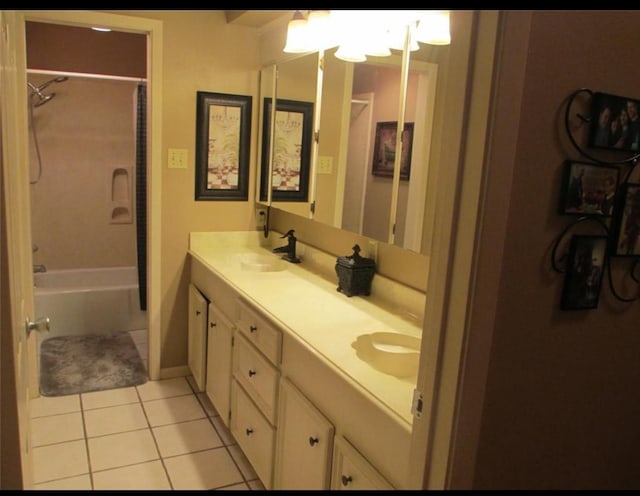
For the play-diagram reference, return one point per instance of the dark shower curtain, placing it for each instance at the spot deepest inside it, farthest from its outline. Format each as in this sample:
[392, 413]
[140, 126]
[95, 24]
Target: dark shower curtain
[141, 192]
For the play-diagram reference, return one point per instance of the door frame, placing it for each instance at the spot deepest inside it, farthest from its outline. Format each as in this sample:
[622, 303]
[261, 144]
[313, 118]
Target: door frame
[451, 376]
[16, 469]
[152, 28]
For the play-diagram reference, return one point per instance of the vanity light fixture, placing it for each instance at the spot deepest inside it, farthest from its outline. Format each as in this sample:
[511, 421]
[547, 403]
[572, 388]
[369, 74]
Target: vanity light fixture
[433, 27]
[298, 35]
[358, 33]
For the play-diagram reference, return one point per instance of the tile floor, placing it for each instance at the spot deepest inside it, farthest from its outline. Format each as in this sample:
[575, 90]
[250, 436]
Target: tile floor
[159, 435]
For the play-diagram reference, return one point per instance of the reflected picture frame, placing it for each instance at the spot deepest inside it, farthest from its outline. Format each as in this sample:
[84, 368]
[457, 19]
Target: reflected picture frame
[223, 130]
[385, 149]
[585, 270]
[589, 189]
[625, 237]
[292, 140]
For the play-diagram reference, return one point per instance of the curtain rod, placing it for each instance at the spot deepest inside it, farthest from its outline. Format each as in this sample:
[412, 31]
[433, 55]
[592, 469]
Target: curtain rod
[86, 75]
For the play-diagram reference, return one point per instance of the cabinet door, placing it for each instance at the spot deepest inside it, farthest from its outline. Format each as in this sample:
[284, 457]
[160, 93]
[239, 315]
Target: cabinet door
[219, 343]
[351, 470]
[197, 341]
[255, 435]
[304, 442]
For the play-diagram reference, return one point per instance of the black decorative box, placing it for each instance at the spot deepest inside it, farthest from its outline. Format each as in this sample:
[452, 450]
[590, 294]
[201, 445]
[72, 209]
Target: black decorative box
[355, 273]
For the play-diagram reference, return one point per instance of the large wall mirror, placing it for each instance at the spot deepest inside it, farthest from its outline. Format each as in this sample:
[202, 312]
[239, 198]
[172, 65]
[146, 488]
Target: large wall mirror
[359, 108]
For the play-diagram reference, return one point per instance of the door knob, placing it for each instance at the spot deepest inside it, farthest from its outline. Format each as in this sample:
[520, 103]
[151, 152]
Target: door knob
[40, 325]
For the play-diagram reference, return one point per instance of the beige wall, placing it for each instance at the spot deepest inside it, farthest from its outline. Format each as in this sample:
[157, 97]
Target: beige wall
[86, 136]
[201, 52]
[561, 406]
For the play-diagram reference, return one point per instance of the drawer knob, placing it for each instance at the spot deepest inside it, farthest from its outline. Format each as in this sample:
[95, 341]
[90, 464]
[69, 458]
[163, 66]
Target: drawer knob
[212, 324]
[252, 373]
[346, 480]
[197, 312]
[249, 432]
[253, 328]
[313, 441]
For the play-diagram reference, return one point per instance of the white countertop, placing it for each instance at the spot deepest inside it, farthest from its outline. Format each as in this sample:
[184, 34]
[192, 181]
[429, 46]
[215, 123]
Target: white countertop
[309, 307]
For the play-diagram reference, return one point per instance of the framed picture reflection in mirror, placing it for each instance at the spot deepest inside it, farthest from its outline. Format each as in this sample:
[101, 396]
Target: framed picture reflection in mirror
[291, 150]
[384, 153]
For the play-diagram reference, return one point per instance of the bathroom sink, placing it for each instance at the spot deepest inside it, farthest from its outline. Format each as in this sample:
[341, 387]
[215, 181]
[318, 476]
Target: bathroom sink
[251, 262]
[390, 352]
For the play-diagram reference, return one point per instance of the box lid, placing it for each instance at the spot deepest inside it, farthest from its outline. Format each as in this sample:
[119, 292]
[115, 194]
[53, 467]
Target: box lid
[355, 261]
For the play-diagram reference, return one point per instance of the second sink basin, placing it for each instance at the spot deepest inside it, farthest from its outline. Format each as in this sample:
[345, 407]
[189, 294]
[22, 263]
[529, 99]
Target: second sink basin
[390, 352]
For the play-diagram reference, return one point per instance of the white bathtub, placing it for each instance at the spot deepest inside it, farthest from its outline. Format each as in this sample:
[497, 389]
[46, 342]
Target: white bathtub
[89, 301]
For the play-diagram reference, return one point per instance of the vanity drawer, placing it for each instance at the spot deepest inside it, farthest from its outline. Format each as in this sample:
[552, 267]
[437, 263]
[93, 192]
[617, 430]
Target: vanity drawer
[257, 375]
[254, 434]
[257, 328]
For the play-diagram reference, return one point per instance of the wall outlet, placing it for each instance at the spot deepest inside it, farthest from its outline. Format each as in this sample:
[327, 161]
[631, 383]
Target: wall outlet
[261, 217]
[373, 250]
[177, 158]
[325, 165]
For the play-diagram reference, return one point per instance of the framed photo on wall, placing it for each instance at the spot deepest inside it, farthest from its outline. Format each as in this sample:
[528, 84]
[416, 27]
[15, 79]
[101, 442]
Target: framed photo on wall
[626, 228]
[223, 128]
[292, 137]
[384, 153]
[585, 270]
[615, 123]
[589, 189]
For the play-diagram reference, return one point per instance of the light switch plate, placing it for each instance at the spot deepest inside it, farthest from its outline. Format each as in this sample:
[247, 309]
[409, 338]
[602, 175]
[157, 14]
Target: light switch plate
[177, 158]
[325, 165]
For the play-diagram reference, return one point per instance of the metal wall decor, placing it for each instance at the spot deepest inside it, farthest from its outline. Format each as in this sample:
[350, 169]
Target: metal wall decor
[598, 193]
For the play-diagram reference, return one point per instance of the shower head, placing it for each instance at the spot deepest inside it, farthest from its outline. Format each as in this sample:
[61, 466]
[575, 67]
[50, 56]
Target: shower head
[60, 79]
[37, 91]
[43, 99]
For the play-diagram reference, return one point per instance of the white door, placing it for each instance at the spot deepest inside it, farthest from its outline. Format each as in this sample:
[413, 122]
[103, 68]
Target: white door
[219, 343]
[197, 339]
[15, 196]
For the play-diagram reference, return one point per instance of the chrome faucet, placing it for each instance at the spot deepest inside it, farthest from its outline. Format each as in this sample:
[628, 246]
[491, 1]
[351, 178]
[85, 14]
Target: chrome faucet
[39, 268]
[289, 249]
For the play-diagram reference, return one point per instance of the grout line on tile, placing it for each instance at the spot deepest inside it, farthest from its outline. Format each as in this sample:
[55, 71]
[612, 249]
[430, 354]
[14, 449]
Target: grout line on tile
[222, 438]
[86, 442]
[201, 450]
[247, 482]
[155, 441]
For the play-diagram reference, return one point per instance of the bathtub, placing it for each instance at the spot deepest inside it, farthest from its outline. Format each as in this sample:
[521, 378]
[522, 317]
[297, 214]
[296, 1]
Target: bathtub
[89, 301]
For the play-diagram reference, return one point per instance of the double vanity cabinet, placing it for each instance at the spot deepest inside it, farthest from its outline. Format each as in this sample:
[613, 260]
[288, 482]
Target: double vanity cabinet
[271, 344]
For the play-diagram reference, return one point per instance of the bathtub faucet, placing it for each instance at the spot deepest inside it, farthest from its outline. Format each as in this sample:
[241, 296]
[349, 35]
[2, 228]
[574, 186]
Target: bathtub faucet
[39, 268]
